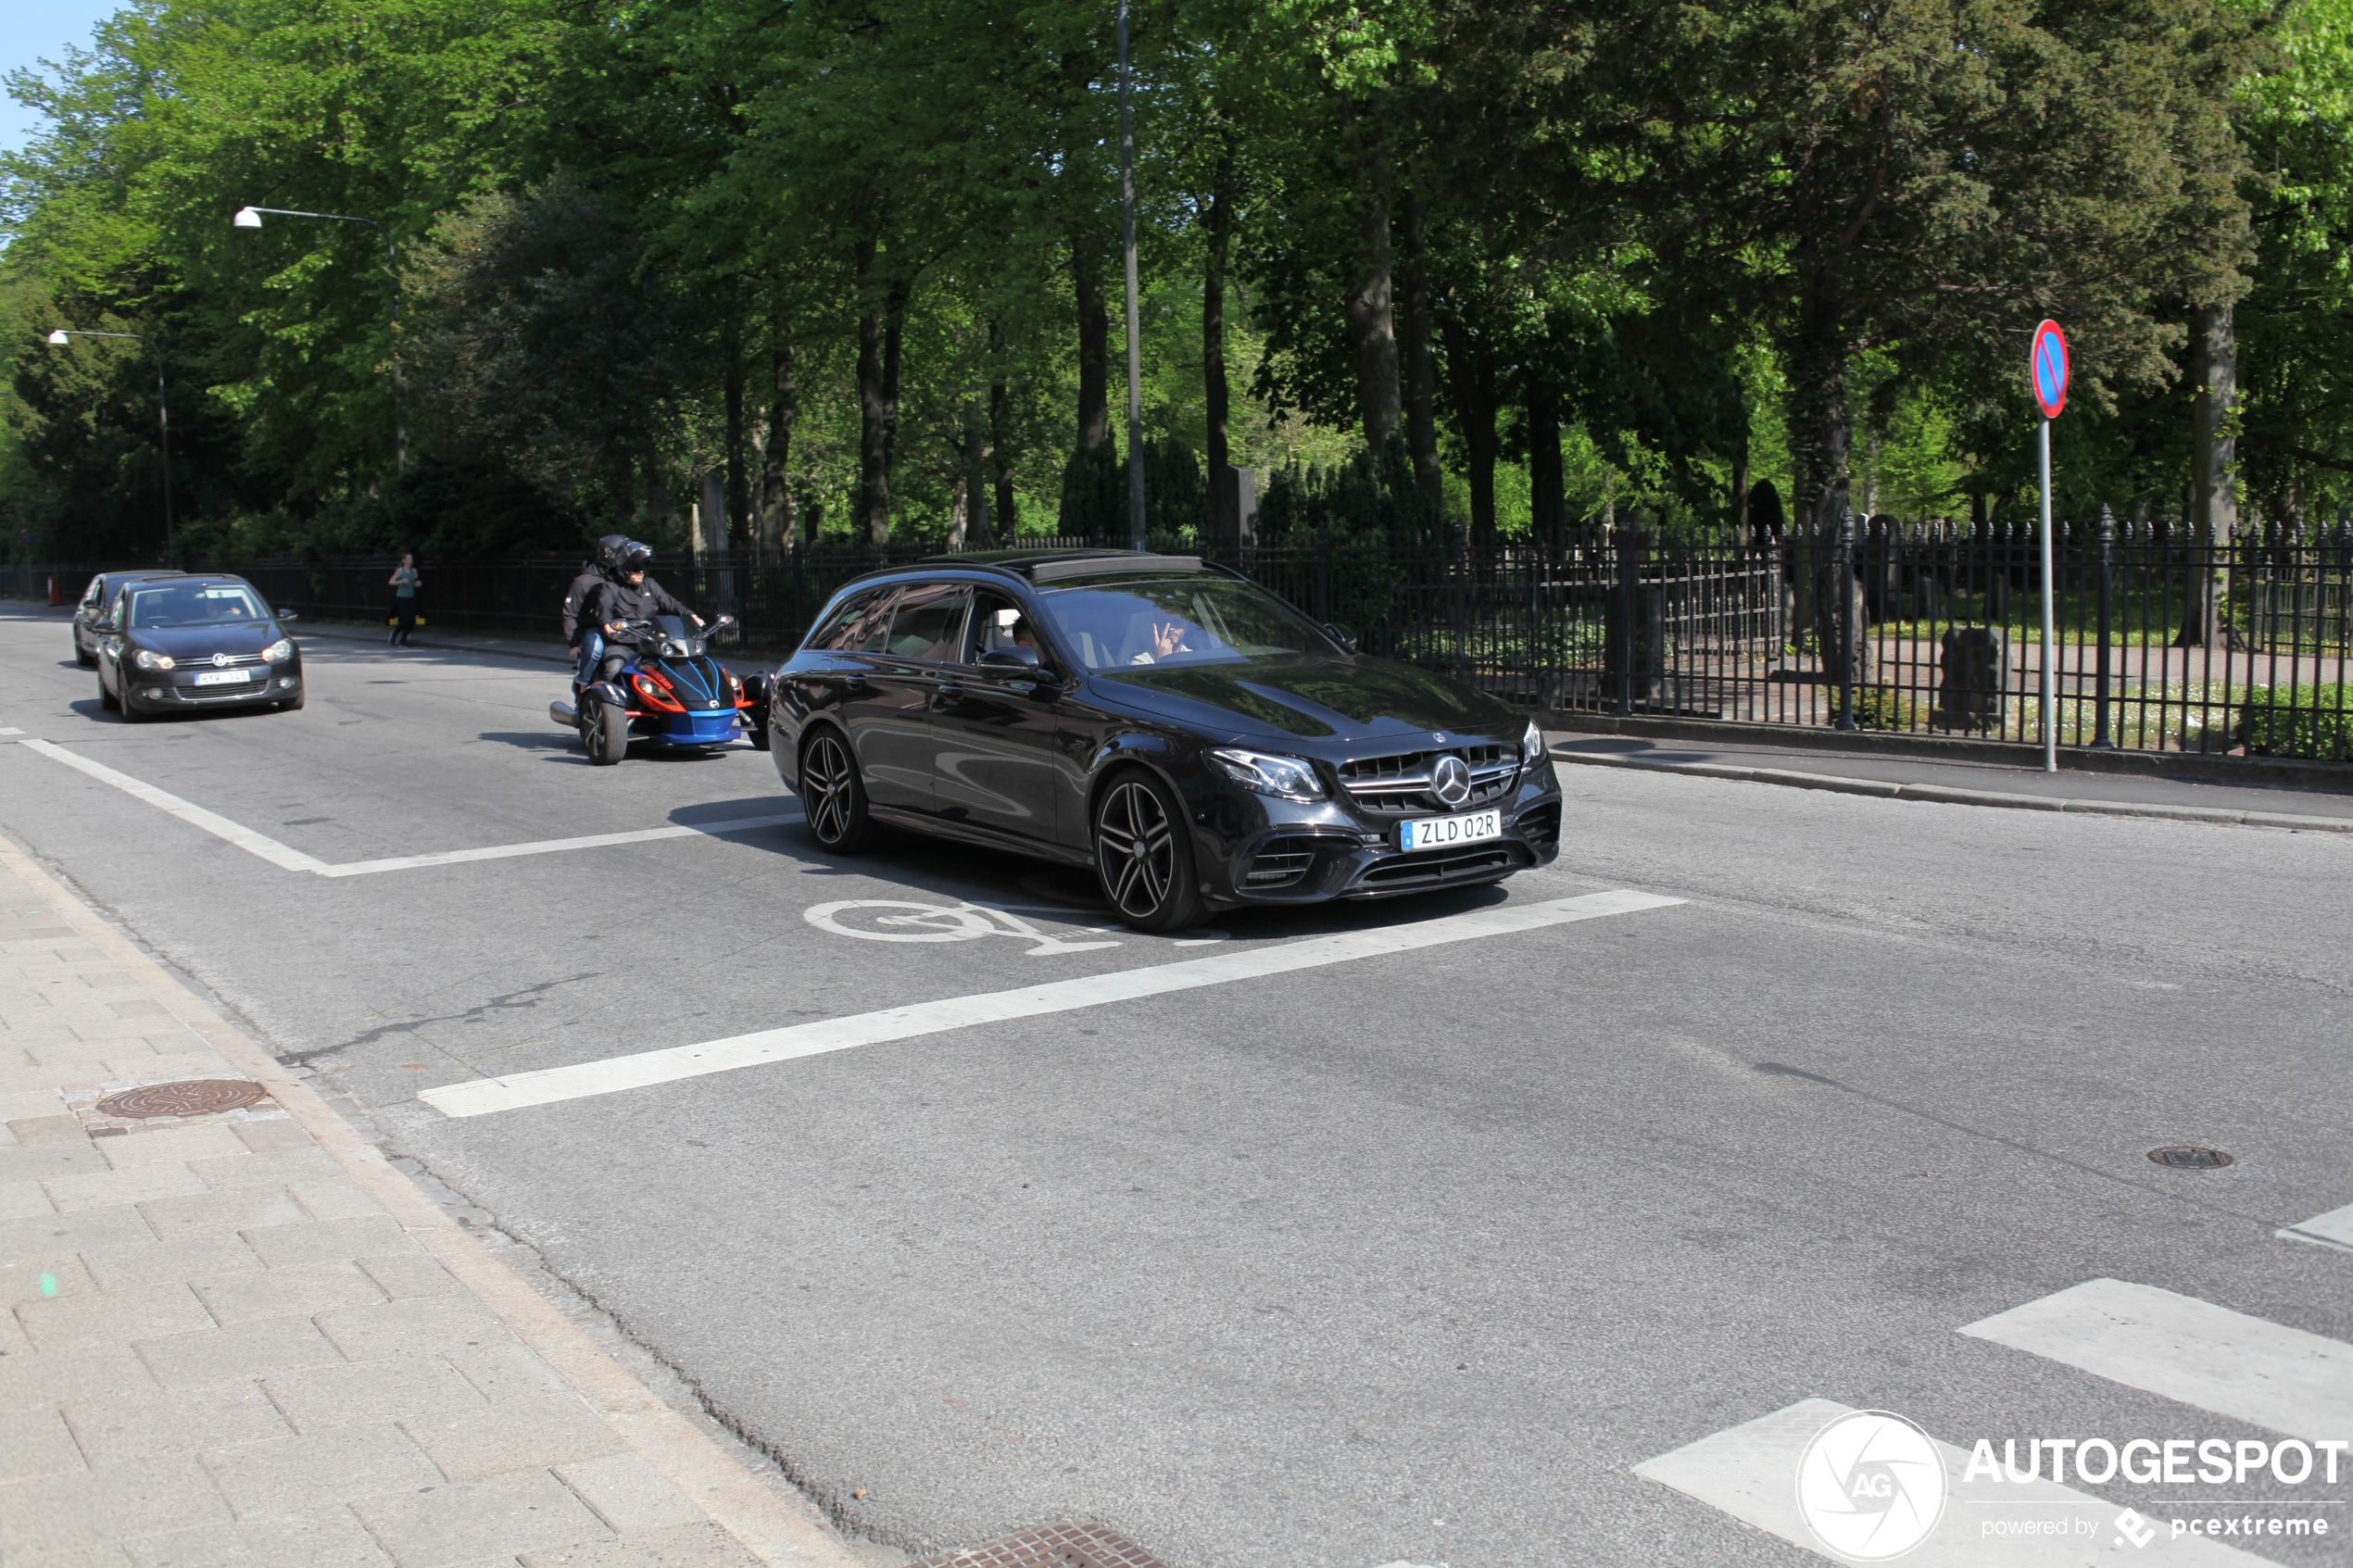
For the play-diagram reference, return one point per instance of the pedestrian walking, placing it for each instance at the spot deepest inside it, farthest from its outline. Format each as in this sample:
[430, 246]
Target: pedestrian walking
[403, 584]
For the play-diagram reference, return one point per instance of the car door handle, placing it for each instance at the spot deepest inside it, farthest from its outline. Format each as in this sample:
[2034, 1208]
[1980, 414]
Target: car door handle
[943, 696]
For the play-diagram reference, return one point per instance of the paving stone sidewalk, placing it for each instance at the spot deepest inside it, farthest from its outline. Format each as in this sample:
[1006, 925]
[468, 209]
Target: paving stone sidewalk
[243, 1337]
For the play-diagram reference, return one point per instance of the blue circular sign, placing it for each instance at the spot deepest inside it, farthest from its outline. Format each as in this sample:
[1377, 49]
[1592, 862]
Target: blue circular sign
[2051, 368]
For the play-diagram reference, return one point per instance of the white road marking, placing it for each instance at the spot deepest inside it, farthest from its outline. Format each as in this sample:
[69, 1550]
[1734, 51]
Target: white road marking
[941, 922]
[2246, 1368]
[11, 732]
[483, 1095]
[293, 860]
[2332, 1229]
[1750, 1471]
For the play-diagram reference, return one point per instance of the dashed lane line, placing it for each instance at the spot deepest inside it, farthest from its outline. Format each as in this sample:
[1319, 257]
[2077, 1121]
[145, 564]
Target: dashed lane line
[612, 1075]
[289, 859]
[2332, 1229]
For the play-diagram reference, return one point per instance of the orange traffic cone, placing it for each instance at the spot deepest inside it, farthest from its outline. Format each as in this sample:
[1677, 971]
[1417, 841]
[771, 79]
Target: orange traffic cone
[53, 598]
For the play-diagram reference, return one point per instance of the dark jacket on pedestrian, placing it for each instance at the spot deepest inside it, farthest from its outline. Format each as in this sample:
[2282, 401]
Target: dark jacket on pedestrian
[576, 599]
[610, 601]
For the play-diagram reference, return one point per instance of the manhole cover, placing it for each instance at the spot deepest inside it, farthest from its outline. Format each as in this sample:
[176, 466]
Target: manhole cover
[1052, 1546]
[2184, 1157]
[194, 1096]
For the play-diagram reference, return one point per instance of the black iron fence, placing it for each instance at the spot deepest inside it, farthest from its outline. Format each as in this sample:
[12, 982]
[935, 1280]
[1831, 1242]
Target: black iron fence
[2162, 641]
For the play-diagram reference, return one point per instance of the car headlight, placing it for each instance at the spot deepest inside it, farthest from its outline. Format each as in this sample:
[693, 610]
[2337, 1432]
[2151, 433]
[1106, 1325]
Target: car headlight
[147, 660]
[1531, 746]
[279, 651]
[1287, 777]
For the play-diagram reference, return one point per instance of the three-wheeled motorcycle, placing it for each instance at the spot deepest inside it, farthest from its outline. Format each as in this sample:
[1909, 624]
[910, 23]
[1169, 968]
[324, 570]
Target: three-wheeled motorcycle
[668, 694]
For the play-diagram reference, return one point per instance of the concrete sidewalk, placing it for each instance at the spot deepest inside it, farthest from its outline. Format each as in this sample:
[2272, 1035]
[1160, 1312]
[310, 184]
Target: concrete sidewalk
[240, 1336]
[1964, 782]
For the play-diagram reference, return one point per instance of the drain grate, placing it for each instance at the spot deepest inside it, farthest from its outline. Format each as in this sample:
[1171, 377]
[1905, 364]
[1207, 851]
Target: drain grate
[194, 1097]
[1052, 1546]
[2187, 1157]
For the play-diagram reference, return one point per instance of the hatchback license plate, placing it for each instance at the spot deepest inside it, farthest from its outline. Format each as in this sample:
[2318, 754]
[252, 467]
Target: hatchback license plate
[1437, 832]
[223, 677]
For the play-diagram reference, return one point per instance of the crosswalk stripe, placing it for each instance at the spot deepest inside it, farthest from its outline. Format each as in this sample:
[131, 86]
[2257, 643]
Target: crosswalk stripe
[2246, 1368]
[2332, 1229]
[1750, 1471]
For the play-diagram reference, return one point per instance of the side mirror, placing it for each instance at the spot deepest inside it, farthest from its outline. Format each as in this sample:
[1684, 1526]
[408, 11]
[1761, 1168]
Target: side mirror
[287, 616]
[1340, 634]
[103, 628]
[1014, 657]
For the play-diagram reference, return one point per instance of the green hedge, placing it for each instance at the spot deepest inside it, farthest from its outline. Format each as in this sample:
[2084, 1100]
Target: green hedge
[2315, 721]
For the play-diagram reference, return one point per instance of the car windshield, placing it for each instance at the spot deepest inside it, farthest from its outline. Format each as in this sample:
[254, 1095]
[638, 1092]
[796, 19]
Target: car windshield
[1114, 623]
[195, 604]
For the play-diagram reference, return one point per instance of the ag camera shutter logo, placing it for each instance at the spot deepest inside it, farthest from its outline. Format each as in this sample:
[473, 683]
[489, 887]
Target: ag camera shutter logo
[1871, 1486]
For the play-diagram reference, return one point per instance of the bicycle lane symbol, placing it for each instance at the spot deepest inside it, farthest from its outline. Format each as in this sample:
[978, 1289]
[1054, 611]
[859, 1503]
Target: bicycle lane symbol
[899, 919]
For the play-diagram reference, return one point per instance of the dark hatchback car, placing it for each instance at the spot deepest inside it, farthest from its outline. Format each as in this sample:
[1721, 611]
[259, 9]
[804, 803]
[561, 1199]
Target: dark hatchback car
[92, 609]
[185, 644]
[1195, 740]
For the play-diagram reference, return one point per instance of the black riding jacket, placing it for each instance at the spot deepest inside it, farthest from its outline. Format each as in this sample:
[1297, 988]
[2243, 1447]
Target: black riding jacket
[576, 600]
[610, 601]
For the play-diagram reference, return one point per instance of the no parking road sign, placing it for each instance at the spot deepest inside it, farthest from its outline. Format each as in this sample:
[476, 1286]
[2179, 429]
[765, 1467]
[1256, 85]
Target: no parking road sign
[2050, 363]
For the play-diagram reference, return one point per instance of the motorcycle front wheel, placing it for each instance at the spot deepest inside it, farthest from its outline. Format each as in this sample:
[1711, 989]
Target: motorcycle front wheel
[608, 736]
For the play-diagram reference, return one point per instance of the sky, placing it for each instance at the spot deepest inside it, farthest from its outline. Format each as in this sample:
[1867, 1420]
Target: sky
[30, 30]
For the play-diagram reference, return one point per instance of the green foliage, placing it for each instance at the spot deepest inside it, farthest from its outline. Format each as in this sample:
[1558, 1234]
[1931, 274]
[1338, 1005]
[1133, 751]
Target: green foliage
[2310, 721]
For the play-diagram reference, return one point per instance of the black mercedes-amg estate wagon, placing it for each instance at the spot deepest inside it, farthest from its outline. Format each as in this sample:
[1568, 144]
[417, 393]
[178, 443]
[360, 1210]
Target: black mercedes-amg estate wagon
[1193, 738]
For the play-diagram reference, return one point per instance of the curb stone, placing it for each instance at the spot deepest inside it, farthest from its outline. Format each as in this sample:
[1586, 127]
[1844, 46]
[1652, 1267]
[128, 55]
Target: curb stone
[765, 1523]
[1950, 795]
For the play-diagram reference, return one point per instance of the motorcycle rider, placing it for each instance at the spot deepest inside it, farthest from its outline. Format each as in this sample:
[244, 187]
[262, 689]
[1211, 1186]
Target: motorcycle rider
[632, 596]
[584, 639]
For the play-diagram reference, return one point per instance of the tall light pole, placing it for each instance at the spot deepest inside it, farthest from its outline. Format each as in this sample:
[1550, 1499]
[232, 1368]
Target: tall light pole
[1135, 349]
[250, 217]
[63, 335]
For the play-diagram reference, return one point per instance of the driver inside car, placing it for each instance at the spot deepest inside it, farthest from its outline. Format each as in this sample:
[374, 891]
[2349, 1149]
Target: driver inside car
[634, 597]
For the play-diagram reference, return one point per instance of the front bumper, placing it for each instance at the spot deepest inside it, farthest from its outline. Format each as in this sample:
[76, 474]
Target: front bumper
[1256, 849]
[176, 689]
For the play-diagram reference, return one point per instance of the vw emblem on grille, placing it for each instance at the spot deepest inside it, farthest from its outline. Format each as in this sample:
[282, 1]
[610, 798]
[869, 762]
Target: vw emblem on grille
[1450, 779]
[220, 661]
[1439, 738]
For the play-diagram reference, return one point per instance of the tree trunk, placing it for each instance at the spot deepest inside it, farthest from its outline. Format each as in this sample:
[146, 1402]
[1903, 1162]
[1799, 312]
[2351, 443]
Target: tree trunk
[871, 520]
[2214, 502]
[1470, 372]
[1822, 423]
[894, 335]
[972, 479]
[739, 500]
[1421, 363]
[1547, 493]
[1220, 235]
[1094, 346]
[776, 529]
[1000, 435]
[1372, 327]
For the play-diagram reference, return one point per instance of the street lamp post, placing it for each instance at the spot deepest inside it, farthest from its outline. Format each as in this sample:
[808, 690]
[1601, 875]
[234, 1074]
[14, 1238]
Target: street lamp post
[250, 217]
[60, 337]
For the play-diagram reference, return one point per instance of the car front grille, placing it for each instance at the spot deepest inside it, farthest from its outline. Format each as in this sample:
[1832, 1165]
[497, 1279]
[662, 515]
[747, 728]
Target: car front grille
[1432, 870]
[1399, 785]
[1284, 860]
[227, 662]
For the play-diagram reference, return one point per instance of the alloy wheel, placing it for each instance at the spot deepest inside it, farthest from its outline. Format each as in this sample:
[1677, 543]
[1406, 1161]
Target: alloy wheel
[824, 789]
[1136, 845]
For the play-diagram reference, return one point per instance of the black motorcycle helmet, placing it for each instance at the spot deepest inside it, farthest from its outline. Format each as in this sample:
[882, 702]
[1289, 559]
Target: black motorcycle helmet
[608, 550]
[633, 557]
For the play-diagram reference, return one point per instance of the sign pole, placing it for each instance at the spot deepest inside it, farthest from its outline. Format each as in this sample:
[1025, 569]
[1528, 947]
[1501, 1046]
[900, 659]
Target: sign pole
[2049, 367]
[2050, 694]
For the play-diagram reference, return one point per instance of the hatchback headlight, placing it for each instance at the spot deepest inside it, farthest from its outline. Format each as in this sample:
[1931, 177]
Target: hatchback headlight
[1531, 746]
[1287, 777]
[279, 651]
[146, 659]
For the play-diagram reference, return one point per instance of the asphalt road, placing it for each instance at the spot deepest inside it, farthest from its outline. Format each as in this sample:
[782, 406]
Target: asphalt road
[1407, 1258]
